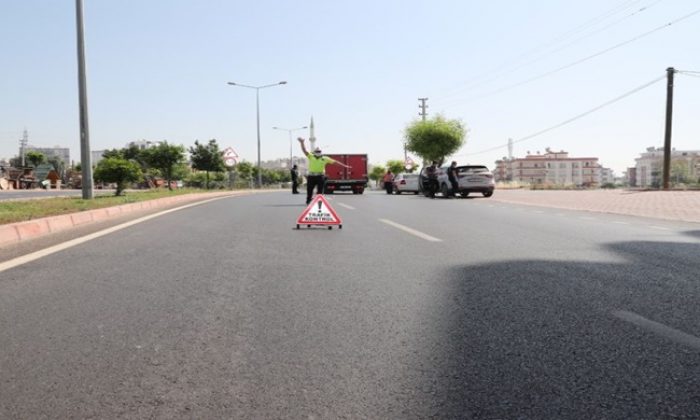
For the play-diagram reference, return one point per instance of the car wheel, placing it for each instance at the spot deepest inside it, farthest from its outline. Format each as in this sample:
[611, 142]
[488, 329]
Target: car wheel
[415, 192]
[465, 194]
[487, 193]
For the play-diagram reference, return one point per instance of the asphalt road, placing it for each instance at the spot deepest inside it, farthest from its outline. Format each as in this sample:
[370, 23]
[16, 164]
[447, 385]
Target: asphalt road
[417, 308]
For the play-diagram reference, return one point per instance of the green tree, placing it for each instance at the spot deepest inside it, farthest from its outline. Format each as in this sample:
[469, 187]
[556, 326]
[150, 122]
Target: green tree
[377, 173]
[164, 157]
[36, 158]
[113, 153]
[396, 166]
[680, 172]
[434, 139]
[244, 170]
[207, 158]
[58, 165]
[119, 171]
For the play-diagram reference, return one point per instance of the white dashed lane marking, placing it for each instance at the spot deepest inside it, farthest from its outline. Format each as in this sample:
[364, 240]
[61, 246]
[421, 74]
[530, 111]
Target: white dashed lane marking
[411, 231]
[659, 329]
[346, 206]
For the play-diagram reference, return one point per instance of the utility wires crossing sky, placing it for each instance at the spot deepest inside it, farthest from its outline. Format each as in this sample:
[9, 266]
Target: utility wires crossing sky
[570, 120]
[582, 60]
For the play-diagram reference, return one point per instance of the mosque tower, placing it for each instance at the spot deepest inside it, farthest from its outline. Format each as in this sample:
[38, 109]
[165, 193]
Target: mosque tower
[312, 136]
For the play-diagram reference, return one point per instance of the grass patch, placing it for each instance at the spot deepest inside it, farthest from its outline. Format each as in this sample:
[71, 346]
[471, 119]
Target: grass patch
[20, 211]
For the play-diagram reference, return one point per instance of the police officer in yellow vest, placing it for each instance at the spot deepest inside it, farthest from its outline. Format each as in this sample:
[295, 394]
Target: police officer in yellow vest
[316, 176]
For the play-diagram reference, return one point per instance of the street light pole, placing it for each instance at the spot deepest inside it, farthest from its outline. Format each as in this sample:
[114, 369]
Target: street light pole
[85, 157]
[257, 117]
[289, 130]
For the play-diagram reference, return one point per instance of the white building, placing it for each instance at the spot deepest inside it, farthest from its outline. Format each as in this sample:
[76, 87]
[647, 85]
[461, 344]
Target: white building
[649, 166]
[554, 168]
[62, 153]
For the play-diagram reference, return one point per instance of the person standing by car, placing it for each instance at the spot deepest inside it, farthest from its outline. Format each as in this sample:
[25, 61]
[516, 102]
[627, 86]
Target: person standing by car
[452, 177]
[316, 177]
[388, 181]
[431, 179]
[295, 179]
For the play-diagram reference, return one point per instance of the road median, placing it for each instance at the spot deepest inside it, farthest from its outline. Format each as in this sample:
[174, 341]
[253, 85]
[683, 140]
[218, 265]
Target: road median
[12, 233]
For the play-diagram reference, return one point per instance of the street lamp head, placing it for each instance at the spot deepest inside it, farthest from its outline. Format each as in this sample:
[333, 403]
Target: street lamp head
[304, 127]
[231, 83]
[283, 82]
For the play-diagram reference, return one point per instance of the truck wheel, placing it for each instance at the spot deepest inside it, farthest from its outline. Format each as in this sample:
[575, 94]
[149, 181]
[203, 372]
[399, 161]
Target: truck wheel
[330, 227]
[487, 193]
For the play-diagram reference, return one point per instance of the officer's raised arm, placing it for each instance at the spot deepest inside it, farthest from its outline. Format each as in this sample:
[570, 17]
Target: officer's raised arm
[303, 146]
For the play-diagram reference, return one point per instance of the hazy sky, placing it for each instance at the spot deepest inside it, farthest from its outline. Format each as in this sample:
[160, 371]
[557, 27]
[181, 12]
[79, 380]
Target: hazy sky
[157, 70]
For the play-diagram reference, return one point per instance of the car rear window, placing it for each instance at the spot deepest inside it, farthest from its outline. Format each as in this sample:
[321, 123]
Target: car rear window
[472, 169]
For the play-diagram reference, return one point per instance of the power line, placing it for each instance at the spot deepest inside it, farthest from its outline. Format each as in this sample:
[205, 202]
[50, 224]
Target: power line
[477, 80]
[546, 54]
[582, 60]
[570, 120]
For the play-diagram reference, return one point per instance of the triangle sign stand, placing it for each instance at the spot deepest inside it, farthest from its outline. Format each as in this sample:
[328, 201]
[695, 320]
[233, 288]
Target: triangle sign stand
[319, 213]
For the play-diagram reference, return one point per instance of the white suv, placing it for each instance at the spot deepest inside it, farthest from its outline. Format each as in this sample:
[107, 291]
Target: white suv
[471, 178]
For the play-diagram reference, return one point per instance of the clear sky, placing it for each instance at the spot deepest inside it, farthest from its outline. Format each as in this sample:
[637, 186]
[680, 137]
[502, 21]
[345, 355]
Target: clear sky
[157, 70]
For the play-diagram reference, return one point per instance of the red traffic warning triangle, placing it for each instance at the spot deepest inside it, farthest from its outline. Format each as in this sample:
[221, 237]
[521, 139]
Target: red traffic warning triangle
[319, 212]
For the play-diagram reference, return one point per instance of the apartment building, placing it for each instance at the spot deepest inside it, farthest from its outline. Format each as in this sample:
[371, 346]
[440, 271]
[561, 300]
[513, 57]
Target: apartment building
[685, 164]
[62, 153]
[554, 168]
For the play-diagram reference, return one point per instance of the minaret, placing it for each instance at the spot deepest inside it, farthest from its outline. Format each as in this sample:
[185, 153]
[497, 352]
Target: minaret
[312, 137]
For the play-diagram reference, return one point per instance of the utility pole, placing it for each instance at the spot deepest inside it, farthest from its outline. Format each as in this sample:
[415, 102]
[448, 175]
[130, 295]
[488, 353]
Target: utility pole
[85, 157]
[23, 146]
[669, 119]
[423, 107]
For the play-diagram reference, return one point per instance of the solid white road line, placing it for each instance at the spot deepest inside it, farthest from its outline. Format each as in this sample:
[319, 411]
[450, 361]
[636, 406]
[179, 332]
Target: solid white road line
[659, 329]
[658, 227]
[621, 223]
[346, 206]
[411, 231]
[77, 241]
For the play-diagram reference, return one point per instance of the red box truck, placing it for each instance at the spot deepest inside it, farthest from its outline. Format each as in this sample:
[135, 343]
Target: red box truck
[353, 179]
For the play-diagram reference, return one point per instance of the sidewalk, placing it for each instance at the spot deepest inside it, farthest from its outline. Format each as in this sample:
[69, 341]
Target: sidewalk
[669, 205]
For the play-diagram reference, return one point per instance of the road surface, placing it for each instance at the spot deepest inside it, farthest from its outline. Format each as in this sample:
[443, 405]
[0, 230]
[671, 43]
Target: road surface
[417, 308]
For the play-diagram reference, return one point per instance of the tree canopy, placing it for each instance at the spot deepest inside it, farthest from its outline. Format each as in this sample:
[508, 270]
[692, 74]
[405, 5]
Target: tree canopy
[396, 166]
[164, 157]
[377, 173]
[36, 158]
[207, 158]
[119, 171]
[434, 139]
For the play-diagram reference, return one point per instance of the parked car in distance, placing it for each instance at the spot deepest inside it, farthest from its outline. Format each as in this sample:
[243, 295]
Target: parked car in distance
[406, 183]
[471, 179]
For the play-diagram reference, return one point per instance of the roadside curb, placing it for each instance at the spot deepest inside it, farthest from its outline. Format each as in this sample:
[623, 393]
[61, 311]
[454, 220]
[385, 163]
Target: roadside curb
[13, 233]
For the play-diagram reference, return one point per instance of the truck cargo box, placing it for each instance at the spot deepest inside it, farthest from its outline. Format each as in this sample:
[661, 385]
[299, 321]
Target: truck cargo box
[353, 179]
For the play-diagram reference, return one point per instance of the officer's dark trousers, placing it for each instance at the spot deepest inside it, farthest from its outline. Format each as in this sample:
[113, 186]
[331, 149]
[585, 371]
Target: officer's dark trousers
[314, 181]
